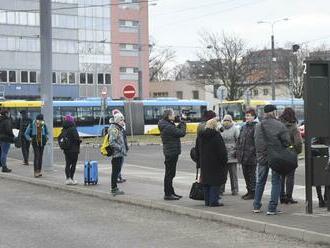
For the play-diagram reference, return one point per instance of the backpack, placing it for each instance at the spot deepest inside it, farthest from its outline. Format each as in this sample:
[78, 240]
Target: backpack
[106, 149]
[64, 141]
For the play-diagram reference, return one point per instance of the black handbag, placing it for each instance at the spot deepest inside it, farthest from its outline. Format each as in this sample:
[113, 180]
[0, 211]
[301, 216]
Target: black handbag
[193, 154]
[280, 159]
[196, 191]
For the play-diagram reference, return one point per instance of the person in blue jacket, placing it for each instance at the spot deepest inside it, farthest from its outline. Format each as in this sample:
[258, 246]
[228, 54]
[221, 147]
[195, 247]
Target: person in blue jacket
[37, 133]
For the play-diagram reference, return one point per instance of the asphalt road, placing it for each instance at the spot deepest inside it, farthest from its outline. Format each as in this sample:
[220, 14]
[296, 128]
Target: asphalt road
[148, 156]
[38, 217]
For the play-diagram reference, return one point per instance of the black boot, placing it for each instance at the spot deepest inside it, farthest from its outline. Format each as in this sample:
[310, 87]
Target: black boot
[6, 169]
[321, 204]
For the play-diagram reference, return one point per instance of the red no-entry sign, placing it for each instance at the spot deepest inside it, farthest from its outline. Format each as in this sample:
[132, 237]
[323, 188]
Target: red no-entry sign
[129, 91]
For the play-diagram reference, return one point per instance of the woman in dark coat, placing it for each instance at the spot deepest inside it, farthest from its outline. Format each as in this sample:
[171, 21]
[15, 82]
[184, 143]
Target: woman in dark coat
[71, 154]
[212, 157]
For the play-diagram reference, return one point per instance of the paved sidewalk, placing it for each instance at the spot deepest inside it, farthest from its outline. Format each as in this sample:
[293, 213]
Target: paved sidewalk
[144, 187]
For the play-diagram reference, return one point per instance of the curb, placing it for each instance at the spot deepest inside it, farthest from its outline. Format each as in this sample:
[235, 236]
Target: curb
[253, 225]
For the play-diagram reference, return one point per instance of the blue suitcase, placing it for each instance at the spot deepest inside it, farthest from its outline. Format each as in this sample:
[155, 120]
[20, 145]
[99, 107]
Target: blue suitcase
[91, 172]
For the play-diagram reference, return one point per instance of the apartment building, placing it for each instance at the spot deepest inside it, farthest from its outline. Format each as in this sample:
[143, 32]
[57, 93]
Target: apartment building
[97, 44]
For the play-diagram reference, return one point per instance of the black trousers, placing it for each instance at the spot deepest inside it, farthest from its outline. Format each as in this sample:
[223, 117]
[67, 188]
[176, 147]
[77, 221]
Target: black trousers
[71, 159]
[38, 153]
[170, 170]
[25, 149]
[287, 184]
[116, 167]
[249, 172]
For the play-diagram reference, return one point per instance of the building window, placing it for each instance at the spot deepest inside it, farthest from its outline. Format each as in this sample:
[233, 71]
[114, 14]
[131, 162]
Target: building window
[12, 76]
[24, 77]
[255, 92]
[64, 77]
[100, 78]
[122, 69]
[107, 78]
[136, 70]
[54, 77]
[33, 77]
[82, 78]
[72, 78]
[195, 94]
[265, 92]
[3, 76]
[90, 78]
[160, 94]
[179, 94]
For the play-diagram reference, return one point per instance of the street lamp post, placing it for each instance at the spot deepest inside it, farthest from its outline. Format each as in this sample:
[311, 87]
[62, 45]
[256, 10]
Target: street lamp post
[273, 58]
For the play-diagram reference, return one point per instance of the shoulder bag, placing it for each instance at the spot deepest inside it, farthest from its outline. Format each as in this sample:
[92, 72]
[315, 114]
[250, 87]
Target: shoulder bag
[280, 159]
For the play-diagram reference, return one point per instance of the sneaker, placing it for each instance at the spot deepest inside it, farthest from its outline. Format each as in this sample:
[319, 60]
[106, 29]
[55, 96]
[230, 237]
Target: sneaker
[74, 182]
[122, 180]
[68, 182]
[249, 197]
[274, 212]
[116, 191]
[257, 210]
[244, 195]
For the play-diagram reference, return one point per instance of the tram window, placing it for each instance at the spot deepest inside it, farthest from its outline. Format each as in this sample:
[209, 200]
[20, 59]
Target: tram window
[148, 115]
[68, 111]
[57, 116]
[85, 114]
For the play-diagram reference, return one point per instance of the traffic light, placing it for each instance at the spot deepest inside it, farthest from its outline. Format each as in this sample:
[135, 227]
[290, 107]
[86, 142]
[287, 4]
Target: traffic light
[295, 48]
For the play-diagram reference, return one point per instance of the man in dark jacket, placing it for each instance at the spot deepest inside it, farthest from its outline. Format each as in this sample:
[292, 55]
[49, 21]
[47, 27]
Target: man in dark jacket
[6, 138]
[171, 134]
[23, 123]
[246, 153]
[277, 135]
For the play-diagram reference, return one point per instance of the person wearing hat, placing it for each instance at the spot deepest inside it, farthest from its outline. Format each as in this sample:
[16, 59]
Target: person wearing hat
[23, 123]
[117, 142]
[6, 138]
[230, 137]
[37, 133]
[277, 134]
[71, 154]
[246, 152]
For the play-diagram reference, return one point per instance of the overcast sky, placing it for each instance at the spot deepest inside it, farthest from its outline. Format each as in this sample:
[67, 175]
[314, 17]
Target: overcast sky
[177, 23]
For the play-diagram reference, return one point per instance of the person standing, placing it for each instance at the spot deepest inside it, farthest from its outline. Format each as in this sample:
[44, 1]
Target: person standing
[277, 135]
[246, 152]
[117, 142]
[170, 135]
[211, 155]
[37, 133]
[71, 154]
[23, 123]
[288, 118]
[230, 137]
[6, 138]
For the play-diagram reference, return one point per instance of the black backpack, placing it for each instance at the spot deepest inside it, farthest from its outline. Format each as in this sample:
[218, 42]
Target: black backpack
[64, 140]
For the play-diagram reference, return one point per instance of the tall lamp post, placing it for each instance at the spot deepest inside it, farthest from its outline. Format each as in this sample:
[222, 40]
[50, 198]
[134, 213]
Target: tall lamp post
[273, 58]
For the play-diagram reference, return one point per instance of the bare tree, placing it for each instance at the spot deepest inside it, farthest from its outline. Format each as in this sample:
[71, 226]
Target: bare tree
[224, 60]
[158, 60]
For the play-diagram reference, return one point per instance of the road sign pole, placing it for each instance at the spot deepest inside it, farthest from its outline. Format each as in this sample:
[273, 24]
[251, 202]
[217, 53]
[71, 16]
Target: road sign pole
[130, 118]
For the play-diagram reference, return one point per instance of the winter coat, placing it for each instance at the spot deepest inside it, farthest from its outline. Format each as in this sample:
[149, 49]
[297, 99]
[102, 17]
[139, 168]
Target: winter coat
[171, 134]
[277, 133]
[245, 146]
[31, 133]
[295, 136]
[6, 130]
[212, 157]
[70, 130]
[22, 125]
[117, 140]
[230, 137]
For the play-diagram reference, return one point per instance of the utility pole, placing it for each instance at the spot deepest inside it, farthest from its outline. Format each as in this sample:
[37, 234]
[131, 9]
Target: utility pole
[273, 60]
[140, 75]
[46, 87]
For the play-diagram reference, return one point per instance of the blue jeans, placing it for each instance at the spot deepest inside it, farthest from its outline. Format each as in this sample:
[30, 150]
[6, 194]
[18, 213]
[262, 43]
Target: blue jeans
[4, 153]
[211, 195]
[262, 174]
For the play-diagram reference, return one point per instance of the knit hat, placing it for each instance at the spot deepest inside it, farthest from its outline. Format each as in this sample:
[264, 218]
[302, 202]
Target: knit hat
[269, 108]
[212, 123]
[209, 114]
[69, 118]
[118, 117]
[40, 117]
